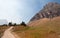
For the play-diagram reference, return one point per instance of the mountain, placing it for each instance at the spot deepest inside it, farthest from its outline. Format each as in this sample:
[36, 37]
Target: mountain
[3, 21]
[50, 10]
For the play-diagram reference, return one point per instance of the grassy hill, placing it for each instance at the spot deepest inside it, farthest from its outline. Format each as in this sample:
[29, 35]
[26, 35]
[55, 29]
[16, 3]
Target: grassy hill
[43, 28]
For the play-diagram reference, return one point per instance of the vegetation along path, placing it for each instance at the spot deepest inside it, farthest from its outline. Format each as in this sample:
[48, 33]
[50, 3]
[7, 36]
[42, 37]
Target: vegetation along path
[8, 34]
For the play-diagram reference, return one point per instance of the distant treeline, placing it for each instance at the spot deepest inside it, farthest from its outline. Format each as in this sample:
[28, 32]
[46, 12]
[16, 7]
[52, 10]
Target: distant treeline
[11, 24]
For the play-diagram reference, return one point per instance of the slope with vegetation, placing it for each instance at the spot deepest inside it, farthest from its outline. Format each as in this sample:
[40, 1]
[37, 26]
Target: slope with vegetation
[45, 24]
[44, 28]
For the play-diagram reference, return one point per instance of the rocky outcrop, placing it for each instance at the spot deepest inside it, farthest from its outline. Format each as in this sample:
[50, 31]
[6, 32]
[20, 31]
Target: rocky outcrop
[50, 10]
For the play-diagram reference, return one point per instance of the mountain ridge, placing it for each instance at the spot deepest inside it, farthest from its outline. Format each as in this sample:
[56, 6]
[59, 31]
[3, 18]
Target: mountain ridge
[50, 10]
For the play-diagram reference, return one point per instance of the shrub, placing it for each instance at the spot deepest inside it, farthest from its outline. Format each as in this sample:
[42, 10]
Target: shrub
[15, 24]
[52, 32]
[23, 24]
[10, 24]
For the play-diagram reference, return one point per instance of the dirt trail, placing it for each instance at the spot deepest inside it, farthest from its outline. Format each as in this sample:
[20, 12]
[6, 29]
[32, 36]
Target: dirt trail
[8, 34]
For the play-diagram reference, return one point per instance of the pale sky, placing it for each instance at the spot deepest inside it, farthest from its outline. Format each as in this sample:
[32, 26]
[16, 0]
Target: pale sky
[21, 10]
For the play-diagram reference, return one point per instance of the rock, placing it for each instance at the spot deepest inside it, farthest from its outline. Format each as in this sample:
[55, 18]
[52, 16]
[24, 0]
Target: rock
[50, 10]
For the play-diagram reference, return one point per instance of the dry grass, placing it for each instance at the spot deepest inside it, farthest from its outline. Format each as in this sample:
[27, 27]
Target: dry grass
[19, 28]
[44, 28]
[2, 29]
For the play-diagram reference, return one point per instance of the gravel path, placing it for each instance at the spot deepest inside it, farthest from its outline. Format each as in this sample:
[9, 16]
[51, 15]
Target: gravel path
[8, 34]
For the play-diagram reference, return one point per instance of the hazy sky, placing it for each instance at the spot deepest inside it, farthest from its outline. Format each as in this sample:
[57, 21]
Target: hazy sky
[21, 10]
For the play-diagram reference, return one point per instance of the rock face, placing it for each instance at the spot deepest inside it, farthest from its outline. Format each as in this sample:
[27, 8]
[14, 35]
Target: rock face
[50, 10]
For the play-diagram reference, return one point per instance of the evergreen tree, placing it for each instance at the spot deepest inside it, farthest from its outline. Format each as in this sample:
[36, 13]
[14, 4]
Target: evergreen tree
[23, 23]
[15, 24]
[10, 24]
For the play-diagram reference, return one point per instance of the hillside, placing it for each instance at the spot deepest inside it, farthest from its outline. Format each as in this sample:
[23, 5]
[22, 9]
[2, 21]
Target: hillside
[44, 28]
[45, 24]
[50, 10]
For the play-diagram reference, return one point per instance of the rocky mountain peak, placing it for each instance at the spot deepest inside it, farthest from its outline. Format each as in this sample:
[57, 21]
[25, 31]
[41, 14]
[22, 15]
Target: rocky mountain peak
[50, 10]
